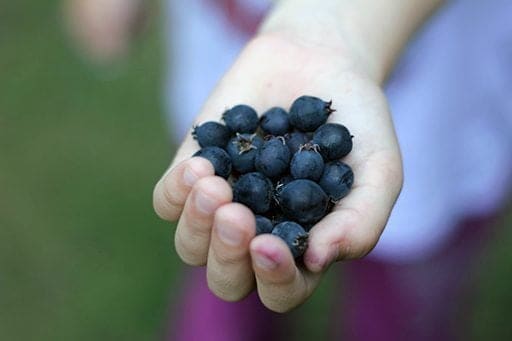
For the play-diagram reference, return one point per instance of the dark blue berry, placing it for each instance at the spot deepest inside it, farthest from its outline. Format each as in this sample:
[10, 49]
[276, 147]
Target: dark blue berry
[284, 180]
[334, 141]
[241, 119]
[303, 201]
[336, 180]
[243, 149]
[212, 134]
[275, 122]
[293, 235]
[254, 190]
[295, 140]
[219, 159]
[263, 225]
[307, 113]
[307, 163]
[273, 158]
[278, 218]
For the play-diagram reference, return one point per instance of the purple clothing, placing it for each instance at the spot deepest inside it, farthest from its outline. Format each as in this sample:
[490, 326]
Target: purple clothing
[427, 300]
[203, 317]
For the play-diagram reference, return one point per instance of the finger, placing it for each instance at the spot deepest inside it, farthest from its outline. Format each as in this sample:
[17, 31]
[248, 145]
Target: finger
[171, 191]
[281, 284]
[192, 236]
[353, 228]
[173, 188]
[229, 269]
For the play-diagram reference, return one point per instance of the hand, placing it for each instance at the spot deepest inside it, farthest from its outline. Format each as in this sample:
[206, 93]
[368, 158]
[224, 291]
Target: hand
[213, 231]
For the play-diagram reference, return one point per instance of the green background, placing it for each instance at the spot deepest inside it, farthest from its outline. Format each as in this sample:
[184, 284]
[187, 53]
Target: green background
[82, 255]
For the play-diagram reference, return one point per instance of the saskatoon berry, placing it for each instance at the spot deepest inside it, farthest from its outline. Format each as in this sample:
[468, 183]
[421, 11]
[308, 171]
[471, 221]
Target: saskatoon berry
[334, 141]
[337, 180]
[278, 218]
[293, 235]
[303, 201]
[275, 122]
[219, 159]
[212, 134]
[295, 140]
[241, 119]
[284, 180]
[263, 225]
[307, 163]
[307, 113]
[254, 190]
[273, 158]
[243, 149]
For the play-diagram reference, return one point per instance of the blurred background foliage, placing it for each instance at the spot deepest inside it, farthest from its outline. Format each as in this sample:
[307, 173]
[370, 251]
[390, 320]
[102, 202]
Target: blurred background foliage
[82, 255]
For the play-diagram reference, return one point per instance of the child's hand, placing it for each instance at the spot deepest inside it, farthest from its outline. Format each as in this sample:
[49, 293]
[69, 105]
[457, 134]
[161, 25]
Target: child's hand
[215, 232]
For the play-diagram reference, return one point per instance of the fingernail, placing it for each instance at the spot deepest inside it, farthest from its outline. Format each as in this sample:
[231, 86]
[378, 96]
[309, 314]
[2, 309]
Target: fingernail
[265, 262]
[189, 177]
[205, 204]
[230, 236]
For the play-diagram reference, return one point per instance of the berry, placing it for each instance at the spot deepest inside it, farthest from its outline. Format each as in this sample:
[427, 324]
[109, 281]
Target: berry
[307, 113]
[293, 235]
[303, 201]
[241, 119]
[243, 149]
[219, 159]
[284, 180]
[212, 134]
[295, 140]
[275, 122]
[336, 180]
[334, 141]
[277, 219]
[263, 225]
[254, 190]
[307, 163]
[291, 179]
[273, 158]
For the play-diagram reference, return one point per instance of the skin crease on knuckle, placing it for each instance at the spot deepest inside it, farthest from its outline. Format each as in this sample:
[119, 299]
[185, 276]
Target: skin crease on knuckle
[284, 294]
[282, 301]
[166, 205]
[278, 307]
[342, 245]
[159, 206]
[355, 244]
[169, 193]
[189, 253]
[228, 259]
[192, 241]
[215, 190]
[228, 288]
[169, 197]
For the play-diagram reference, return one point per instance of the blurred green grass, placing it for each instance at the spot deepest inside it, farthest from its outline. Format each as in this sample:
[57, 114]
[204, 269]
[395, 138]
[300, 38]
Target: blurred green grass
[82, 255]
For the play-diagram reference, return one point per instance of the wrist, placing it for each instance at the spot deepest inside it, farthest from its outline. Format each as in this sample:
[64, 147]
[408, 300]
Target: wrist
[370, 34]
[304, 23]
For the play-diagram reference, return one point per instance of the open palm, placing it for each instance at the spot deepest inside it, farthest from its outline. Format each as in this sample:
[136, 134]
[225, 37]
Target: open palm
[214, 231]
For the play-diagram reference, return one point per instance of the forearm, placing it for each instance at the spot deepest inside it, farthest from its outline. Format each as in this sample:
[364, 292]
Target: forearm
[372, 32]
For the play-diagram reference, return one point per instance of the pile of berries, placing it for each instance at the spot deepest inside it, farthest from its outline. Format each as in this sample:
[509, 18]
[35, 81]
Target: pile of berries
[284, 166]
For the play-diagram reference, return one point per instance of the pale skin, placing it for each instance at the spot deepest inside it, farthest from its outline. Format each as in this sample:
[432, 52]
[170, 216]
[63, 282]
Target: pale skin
[340, 51]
